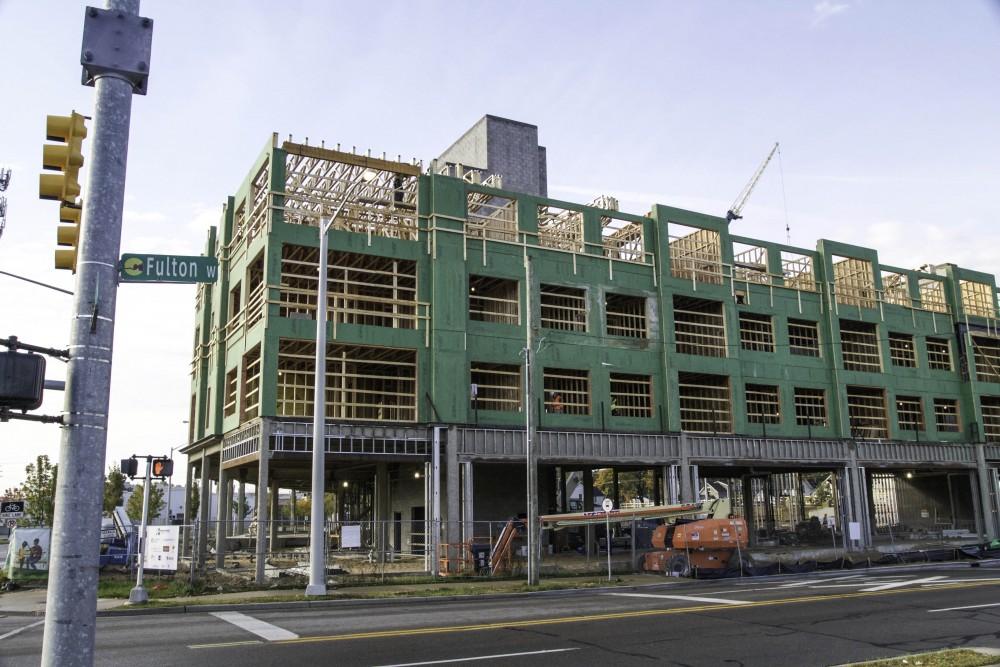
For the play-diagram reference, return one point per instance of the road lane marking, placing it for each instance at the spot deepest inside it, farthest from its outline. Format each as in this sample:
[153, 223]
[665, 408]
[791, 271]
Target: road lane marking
[258, 627]
[686, 598]
[20, 630]
[560, 620]
[813, 582]
[482, 657]
[931, 611]
[898, 584]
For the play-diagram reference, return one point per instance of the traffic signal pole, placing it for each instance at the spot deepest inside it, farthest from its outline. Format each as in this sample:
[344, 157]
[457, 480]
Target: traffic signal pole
[138, 595]
[71, 602]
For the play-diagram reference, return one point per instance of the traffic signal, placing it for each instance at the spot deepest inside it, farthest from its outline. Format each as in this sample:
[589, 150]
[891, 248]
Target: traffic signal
[22, 380]
[130, 467]
[67, 158]
[163, 468]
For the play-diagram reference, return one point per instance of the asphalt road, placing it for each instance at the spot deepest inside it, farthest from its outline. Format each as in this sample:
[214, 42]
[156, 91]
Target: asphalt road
[819, 619]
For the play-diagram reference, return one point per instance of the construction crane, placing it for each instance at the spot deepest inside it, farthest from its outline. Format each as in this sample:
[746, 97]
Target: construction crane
[734, 211]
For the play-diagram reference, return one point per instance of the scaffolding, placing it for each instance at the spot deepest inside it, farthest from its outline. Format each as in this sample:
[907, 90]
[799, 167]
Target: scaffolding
[362, 383]
[383, 194]
[622, 240]
[704, 403]
[625, 315]
[854, 282]
[563, 308]
[859, 346]
[810, 406]
[750, 264]
[947, 417]
[560, 228]
[696, 256]
[896, 289]
[699, 327]
[756, 332]
[797, 271]
[977, 299]
[991, 417]
[910, 413]
[939, 354]
[803, 338]
[489, 216]
[567, 391]
[631, 395]
[493, 300]
[763, 404]
[497, 387]
[986, 352]
[362, 289]
[932, 295]
[867, 413]
[902, 350]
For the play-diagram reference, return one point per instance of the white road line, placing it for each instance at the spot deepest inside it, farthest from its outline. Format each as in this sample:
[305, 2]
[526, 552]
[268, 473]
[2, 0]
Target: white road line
[256, 626]
[900, 584]
[686, 598]
[481, 657]
[931, 611]
[20, 630]
[813, 582]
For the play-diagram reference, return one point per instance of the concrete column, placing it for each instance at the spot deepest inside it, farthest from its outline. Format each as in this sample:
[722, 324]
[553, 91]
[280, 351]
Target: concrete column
[221, 516]
[748, 508]
[261, 500]
[658, 488]
[684, 470]
[291, 507]
[468, 525]
[453, 532]
[560, 496]
[186, 528]
[987, 500]
[204, 511]
[272, 532]
[241, 521]
[380, 528]
[615, 490]
[671, 484]
[695, 482]
[588, 506]
[229, 504]
[434, 534]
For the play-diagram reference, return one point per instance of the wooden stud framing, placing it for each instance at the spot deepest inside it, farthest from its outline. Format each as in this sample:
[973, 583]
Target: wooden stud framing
[939, 354]
[986, 352]
[696, 256]
[810, 406]
[625, 315]
[867, 413]
[797, 271]
[910, 413]
[631, 395]
[977, 299]
[622, 240]
[489, 216]
[902, 350]
[750, 264]
[498, 387]
[859, 345]
[229, 404]
[854, 282]
[705, 403]
[932, 295]
[991, 417]
[563, 308]
[699, 327]
[756, 332]
[560, 228]
[250, 400]
[493, 300]
[567, 391]
[763, 404]
[803, 338]
[947, 417]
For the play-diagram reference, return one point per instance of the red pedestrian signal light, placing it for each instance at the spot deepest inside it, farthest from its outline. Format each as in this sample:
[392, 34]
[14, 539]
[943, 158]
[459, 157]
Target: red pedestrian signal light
[163, 468]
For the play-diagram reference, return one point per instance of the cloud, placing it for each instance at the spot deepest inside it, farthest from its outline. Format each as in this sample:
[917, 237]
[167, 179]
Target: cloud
[826, 9]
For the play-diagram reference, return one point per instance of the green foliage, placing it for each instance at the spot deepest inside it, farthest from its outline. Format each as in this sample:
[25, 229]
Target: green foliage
[631, 485]
[193, 500]
[134, 506]
[114, 489]
[303, 506]
[39, 490]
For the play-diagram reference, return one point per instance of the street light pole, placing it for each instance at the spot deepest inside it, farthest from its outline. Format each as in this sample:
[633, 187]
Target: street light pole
[531, 472]
[317, 518]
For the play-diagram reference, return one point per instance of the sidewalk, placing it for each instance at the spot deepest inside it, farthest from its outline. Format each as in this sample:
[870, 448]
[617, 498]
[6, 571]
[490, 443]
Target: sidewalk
[31, 602]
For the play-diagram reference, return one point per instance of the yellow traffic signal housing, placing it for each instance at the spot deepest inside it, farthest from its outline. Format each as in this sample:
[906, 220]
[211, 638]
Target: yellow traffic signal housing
[68, 158]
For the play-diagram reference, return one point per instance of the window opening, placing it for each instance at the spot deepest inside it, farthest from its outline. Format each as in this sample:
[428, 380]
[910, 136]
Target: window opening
[946, 415]
[902, 351]
[932, 295]
[756, 332]
[866, 411]
[251, 384]
[854, 282]
[910, 413]
[895, 289]
[563, 308]
[229, 406]
[699, 327]
[491, 217]
[750, 264]
[991, 417]
[626, 315]
[705, 403]
[859, 345]
[622, 239]
[560, 228]
[810, 407]
[977, 299]
[939, 354]
[567, 391]
[498, 387]
[695, 254]
[803, 338]
[763, 404]
[986, 352]
[631, 395]
[493, 300]
[797, 271]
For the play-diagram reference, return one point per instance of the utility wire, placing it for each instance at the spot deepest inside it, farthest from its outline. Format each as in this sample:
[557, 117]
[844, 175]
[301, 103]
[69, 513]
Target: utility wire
[35, 282]
[784, 197]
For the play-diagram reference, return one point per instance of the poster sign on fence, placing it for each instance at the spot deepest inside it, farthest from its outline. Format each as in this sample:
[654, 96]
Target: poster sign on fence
[350, 537]
[161, 548]
[28, 551]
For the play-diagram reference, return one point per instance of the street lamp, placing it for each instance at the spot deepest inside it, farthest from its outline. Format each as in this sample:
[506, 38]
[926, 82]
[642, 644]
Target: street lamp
[317, 552]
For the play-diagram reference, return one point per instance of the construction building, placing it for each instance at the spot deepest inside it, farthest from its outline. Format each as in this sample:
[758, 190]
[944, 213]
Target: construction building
[660, 344]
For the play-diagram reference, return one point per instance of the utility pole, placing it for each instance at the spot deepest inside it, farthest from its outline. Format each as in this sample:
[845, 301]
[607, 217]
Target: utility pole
[531, 472]
[115, 58]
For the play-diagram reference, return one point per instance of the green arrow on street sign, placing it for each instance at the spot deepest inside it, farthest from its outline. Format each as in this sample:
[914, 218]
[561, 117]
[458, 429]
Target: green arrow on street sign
[136, 268]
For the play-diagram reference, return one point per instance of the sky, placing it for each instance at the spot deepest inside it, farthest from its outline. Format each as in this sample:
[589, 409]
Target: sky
[887, 111]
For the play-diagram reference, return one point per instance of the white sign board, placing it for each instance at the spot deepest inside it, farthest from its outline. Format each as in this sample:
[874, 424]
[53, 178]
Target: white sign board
[608, 504]
[854, 530]
[350, 537]
[161, 548]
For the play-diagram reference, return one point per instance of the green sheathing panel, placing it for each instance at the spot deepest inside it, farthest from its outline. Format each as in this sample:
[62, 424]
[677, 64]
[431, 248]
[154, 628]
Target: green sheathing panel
[201, 365]
[220, 308]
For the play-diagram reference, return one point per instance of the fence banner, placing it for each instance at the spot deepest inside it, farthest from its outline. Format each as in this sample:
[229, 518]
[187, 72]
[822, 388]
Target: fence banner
[28, 551]
[161, 548]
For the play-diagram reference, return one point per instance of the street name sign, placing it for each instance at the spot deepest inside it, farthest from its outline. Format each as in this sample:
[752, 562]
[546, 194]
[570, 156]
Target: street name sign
[146, 268]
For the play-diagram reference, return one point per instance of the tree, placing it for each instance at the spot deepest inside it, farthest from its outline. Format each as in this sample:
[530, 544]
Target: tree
[114, 489]
[134, 506]
[632, 485]
[193, 500]
[13, 493]
[39, 490]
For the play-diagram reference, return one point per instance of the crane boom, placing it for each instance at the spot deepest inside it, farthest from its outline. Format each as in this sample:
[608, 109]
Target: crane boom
[734, 211]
